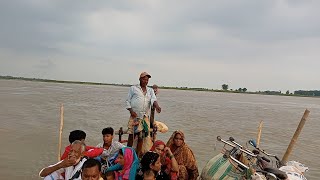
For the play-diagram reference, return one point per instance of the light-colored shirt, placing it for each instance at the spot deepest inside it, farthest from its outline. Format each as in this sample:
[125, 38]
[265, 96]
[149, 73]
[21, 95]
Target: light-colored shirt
[139, 102]
[69, 171]
[113, 149]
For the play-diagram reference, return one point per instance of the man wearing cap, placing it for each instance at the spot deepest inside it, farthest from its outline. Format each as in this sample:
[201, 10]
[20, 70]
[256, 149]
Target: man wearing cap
[139, 101]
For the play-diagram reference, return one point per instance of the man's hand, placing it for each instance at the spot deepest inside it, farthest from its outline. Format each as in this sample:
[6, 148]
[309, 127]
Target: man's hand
[136, 123]
[158, 109]
[68, 162]
[132, 113]
[156, 105]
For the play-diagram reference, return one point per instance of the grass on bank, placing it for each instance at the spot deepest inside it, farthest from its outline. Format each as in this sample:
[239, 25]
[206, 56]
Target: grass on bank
[296, 93]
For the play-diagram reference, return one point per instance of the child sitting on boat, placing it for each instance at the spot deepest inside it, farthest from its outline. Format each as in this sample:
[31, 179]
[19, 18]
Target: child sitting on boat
[80, 135]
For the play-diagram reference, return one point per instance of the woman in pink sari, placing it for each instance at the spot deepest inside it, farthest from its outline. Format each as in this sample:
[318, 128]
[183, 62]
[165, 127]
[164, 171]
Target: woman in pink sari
[188, 168]
[127, 164]
[169, 164]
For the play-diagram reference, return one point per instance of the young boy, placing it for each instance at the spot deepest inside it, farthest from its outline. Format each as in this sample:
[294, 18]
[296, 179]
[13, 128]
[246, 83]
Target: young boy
[80, 135]
[110, 147]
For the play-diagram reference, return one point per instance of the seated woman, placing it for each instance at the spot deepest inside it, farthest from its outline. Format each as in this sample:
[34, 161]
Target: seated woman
[187, 163]
[169, 164]
[127, 164]
[151, 161]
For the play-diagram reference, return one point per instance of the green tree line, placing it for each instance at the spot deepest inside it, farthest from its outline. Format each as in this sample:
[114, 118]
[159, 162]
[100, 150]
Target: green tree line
[307, 93]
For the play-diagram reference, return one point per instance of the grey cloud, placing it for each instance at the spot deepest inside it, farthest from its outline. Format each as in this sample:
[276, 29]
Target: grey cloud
[262, 20]
[138, 35]
[34, 26]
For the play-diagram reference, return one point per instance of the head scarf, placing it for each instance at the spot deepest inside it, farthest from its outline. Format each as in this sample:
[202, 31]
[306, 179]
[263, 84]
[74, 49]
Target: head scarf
[184, 156]
[166, 165]
[157, 143]
[131, 164]
[170, 142]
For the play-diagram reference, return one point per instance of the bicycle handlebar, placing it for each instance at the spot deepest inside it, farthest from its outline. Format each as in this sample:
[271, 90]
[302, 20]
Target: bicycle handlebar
[260, 150]
[243, 150]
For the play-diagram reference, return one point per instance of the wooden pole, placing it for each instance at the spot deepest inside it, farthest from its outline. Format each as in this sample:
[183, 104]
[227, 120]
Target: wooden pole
[60, 132]
[153, 133]
[295, 136]
[120, 133]
[259, 133]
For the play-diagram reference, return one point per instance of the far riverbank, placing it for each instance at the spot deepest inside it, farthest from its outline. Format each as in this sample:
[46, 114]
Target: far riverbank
[277, 93]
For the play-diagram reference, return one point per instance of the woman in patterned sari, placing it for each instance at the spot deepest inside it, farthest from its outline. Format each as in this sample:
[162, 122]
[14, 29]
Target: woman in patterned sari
[188, 168]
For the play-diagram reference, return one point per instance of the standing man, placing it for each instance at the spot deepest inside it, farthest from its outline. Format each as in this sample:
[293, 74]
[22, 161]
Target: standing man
[139, 101]
[155, 89]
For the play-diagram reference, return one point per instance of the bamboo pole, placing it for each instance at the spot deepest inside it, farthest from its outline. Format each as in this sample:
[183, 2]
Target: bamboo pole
[259, 133]
[295, 136]
[60, 131]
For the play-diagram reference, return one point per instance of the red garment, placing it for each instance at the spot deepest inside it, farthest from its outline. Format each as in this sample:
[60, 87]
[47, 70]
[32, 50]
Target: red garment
[157, 143]
[90, 152]
[165, 161]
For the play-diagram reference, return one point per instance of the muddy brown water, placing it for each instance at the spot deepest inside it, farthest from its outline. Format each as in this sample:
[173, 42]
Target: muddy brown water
[29, 124]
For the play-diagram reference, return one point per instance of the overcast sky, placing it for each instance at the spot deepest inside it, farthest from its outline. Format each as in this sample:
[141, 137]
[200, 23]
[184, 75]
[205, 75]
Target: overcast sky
[260, 45]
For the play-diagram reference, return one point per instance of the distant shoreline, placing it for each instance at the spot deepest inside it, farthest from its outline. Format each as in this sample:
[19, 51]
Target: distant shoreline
[58, 81]
[161, 87]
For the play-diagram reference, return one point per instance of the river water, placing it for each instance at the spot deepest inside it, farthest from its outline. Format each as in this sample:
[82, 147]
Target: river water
[30, 120]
